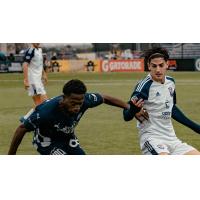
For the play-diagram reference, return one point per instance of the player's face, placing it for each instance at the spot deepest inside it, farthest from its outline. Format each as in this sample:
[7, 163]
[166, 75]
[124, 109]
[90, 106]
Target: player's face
[73, 103]
[36, 45]
[158, 68]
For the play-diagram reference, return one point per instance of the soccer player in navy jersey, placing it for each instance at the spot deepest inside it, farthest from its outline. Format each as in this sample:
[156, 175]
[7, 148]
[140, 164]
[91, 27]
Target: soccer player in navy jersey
[157, 135]
[54, 121]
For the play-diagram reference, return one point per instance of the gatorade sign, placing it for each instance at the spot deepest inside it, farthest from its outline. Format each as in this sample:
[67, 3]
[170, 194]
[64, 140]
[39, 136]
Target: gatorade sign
[134, 65]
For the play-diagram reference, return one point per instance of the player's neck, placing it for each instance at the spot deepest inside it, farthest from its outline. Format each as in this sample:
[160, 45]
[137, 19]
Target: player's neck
[161, 81]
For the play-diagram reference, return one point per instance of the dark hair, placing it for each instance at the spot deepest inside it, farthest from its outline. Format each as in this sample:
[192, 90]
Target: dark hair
[156, 52]
[74, 86]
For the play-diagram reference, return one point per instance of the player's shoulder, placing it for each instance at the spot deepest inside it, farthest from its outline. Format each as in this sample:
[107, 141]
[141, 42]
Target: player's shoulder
[50, 104]
[170, 79]
[144, 83]
[30, 50]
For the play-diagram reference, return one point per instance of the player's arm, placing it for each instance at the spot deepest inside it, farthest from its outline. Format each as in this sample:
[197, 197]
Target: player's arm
[142, 115]
[25, 71]
[114, 102]
[44, 76]
[180, 117]
[135, 106]
[17, 138]
[27, 59]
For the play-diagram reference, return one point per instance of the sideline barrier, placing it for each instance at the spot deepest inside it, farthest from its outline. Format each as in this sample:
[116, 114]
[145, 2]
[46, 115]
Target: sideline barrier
[77, 65]
[185, 64]
[133, 65]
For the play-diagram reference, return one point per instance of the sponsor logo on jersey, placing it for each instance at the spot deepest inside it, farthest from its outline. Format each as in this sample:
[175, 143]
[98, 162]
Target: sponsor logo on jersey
[160, 146]
[66, 129]
[165, 115]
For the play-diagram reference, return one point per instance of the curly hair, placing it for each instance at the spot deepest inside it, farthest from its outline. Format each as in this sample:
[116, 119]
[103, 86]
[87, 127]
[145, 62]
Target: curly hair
[74, 86]
[155, 53]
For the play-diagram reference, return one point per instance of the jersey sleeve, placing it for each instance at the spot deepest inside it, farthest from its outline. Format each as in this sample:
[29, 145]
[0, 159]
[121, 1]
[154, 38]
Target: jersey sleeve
[35, 120]
[174, 97]
[140, 92]
[29, 55]
[93, 100]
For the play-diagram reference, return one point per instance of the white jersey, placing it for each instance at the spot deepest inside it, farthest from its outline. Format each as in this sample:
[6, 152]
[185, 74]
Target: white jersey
[158, 101]
[34, 57]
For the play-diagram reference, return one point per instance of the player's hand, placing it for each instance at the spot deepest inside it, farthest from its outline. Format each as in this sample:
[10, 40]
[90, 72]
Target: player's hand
[138, 103]
[26, 84]
[142, 115]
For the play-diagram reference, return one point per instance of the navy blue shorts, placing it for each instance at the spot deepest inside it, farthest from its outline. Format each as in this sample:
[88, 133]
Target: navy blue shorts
[58, 148]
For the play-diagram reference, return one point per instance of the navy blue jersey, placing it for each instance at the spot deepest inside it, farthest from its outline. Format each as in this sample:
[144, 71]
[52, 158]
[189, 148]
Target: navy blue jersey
[50, 124]
[29, 54]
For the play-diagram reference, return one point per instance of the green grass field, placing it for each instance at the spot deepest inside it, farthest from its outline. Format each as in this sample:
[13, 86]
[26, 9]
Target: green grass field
[102, 130]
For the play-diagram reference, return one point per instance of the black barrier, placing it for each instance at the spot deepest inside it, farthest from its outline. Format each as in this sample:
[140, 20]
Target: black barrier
[185, 64]
[182, 65]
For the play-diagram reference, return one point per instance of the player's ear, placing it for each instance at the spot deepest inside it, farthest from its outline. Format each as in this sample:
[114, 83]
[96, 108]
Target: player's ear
[148, 65]
[167, 64]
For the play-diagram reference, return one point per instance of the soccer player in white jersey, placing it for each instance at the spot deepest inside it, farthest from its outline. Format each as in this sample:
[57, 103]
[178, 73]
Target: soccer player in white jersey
[34, 76]
[157, 135]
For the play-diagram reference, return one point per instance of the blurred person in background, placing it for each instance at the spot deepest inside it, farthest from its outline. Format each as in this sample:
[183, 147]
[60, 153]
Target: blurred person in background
[34, 75]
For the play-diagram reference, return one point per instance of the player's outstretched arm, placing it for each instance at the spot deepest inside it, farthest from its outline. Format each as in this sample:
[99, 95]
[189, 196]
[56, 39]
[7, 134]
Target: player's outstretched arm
[179, 116]
[25, 71]
[135, 106]
[16, 140]
[44, 77]
[115, 102]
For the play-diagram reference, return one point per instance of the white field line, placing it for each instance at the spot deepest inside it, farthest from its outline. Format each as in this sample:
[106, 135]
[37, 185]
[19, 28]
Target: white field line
[115, 82]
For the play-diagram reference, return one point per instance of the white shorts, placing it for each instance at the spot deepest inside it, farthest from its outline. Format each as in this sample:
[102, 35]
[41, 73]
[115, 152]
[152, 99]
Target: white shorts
[156, 146]
[36, 89]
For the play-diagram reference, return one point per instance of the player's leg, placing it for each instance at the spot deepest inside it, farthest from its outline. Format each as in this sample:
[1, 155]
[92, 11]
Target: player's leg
[193, 152]
[182, 148]
[163, 154]
[76, 151]
[38, 93]
[38, 99]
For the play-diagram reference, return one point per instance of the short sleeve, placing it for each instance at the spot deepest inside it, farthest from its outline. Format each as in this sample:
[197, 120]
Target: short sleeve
[33, 121]
[93, 99]
[141, 92]
[174, 97]
[29, 55]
